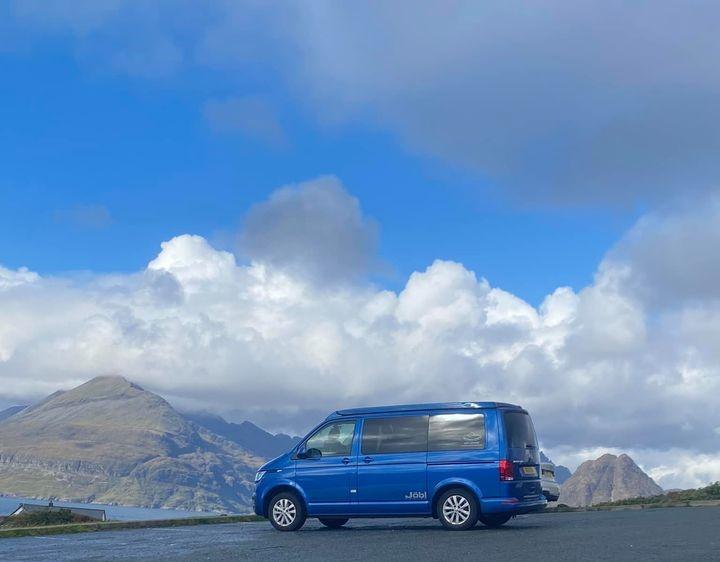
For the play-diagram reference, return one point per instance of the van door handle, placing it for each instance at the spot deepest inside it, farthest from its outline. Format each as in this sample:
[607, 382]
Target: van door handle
[367, 459]
[346, 460]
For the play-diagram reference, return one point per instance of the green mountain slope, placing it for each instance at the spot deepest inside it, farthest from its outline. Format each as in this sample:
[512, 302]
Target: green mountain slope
[110, 441]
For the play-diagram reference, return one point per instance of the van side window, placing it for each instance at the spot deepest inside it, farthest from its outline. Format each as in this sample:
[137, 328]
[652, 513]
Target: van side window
[334, 439]
[452, 432]
[404, 434]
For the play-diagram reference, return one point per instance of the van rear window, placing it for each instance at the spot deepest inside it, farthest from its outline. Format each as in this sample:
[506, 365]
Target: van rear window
[403, 434]
[519, 431]
[452, 432]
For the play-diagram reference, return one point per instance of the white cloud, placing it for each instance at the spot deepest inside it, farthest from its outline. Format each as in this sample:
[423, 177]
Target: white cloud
[612, 102]
[672, 256]
[314, 229]
[599, 369]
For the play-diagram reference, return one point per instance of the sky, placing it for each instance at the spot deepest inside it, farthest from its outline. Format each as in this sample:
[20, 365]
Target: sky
[273, 210]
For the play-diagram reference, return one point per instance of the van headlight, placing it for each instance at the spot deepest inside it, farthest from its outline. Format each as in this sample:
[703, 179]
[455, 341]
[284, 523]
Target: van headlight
[259, 474]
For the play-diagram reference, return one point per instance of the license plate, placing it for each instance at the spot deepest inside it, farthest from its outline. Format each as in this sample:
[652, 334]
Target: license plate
[529, 471]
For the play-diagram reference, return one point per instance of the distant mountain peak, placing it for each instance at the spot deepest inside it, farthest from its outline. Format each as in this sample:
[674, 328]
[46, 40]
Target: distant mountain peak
[110, 440]
[607, 478]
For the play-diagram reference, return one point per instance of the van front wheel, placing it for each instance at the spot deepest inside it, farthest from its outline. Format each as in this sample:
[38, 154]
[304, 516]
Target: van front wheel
[287, 512]
[333, 523]
[457, 509]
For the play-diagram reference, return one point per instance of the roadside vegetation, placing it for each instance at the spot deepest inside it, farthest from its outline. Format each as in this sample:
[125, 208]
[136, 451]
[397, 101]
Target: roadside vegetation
[44, 518]
[708, 493]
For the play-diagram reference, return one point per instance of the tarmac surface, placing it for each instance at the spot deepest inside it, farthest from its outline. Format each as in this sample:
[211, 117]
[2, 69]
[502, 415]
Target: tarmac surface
[649, 534]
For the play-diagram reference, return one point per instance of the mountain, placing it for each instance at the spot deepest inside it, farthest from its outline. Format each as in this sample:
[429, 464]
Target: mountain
[110, 441]
[608, 478]
[247, 435]
[562, 473]
[11, 411]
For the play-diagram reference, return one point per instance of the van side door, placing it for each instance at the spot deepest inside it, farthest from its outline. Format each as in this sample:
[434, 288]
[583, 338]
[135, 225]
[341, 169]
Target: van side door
[326, 468]
[392, 466]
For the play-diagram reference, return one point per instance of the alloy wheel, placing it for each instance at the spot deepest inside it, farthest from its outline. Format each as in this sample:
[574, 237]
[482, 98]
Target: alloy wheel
[456, 509]
[284, 512]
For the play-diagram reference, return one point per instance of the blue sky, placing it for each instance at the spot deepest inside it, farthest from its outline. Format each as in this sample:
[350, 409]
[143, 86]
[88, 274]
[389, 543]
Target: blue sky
[568, 149]
[76, 139]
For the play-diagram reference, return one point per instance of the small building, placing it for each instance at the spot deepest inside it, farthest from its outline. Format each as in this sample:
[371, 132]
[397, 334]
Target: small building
[28, 508]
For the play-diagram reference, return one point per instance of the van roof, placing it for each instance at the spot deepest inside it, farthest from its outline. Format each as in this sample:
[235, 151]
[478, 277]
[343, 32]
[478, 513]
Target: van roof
[421, 408]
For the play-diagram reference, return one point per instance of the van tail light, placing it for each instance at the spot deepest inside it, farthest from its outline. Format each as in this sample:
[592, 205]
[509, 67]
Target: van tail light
[506, 470]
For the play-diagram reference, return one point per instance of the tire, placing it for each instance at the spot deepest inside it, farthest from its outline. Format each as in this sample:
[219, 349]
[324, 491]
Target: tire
[457, 509]
[494, 520]
[333, 523]
[286, 512]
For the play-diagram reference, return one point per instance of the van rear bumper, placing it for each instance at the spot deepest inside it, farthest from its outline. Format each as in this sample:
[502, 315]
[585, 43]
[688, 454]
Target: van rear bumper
[512, 505]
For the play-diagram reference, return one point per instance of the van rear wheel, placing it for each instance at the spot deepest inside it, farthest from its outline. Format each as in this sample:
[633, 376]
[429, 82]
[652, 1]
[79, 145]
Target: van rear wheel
[333, 522]
[457, 509]
[494, 520]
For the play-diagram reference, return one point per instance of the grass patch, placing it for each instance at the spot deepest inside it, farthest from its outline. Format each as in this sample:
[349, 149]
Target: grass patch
[708, 493]
[70, 528]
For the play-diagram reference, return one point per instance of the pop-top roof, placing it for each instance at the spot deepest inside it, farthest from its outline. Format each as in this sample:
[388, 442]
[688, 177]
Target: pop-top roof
[421, 407]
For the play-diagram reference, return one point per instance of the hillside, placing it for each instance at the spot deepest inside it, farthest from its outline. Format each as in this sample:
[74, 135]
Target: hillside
[246, 434]
[4, 414]
[606, 479]
[110, 441]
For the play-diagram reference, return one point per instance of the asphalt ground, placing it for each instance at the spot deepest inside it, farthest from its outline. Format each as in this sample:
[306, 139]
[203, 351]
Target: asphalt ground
[649, 534]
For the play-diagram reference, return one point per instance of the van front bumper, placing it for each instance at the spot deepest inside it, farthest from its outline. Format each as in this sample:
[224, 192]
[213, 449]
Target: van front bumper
[512, 505]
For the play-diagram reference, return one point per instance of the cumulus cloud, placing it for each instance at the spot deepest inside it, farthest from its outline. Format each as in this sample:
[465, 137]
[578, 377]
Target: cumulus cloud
[672, 255]
[601, 369]
[587, 101]
[315, 228]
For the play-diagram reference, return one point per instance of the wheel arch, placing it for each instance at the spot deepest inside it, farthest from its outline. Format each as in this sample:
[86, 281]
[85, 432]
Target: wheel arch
[278, 489]
[446, 485]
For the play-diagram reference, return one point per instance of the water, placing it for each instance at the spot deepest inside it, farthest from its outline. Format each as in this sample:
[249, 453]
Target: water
[8, 504]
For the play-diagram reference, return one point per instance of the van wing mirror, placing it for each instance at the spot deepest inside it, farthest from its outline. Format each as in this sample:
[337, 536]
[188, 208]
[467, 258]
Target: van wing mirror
[311, 453]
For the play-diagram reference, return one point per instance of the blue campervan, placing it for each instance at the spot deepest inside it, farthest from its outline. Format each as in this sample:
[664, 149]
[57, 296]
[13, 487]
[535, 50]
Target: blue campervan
[458, 462]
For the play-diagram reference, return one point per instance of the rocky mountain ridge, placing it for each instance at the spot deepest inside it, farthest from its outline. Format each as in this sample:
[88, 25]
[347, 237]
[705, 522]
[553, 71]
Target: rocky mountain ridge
[607, 478]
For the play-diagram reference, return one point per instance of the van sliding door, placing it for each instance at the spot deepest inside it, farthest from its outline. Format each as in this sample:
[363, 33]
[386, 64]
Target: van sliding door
[392, 466]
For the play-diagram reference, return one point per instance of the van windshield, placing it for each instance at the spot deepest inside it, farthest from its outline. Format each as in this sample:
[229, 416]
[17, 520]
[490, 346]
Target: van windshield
[519, 431]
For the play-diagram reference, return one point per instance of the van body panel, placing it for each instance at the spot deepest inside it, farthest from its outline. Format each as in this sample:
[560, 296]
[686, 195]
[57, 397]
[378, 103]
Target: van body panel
[392, 483]
[263, 494]
[475, 468]
[387, 480]
[327, 483]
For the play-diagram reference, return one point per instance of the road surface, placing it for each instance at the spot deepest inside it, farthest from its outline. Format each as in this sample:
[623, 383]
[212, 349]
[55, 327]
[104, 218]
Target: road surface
[651, 534]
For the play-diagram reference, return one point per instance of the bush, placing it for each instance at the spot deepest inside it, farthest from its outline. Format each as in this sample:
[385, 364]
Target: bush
[44, 518]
